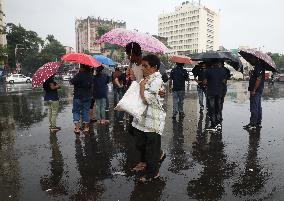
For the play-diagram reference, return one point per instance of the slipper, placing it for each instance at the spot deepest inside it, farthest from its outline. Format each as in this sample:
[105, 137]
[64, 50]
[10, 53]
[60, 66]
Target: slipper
[139, 167]
[163, 157]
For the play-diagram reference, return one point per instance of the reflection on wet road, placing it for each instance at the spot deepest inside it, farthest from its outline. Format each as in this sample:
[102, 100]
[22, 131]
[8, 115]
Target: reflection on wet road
[233, 165]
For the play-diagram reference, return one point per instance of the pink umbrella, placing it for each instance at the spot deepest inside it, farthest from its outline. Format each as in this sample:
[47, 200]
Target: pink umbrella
[45, 72]
[122, 37]
[81, 58]
[255, 57]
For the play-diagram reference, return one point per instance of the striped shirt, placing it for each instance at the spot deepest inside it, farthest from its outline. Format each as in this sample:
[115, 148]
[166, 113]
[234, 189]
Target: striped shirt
[153, 119]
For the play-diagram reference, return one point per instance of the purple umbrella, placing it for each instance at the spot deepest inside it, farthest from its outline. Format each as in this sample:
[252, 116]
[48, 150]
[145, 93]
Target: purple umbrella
[255, 57]
[122, 37]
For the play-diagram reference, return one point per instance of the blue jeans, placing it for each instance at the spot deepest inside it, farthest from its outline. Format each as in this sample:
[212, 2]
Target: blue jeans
[81, 107]
[201, 92]
[255, 109]
[178, 97]
[101, 108]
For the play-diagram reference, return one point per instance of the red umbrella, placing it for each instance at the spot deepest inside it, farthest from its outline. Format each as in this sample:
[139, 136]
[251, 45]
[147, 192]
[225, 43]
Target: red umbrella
[180, 59]
[81, 58]
[45, 72]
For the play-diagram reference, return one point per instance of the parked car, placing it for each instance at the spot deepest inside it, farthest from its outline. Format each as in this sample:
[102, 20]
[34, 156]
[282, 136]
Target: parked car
[18, 78]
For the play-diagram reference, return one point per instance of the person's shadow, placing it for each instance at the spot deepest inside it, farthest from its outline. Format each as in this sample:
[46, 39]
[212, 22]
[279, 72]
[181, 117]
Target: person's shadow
[93, 156]
[253, 178]
[210, 184]
[151, 191]
[52, 183]
[178, 157]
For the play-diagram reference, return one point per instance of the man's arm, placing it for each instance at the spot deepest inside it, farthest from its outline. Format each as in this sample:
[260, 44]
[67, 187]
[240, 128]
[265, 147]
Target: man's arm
[257, 83]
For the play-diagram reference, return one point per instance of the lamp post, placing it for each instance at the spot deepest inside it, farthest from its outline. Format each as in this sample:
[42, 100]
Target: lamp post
[16, 48]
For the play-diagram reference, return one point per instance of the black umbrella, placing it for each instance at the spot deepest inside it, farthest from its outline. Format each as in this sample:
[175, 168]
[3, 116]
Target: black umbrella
[255, 57]
[228, 57]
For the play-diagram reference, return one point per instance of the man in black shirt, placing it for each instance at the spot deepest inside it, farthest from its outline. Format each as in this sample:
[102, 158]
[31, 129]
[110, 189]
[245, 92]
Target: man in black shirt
[215, 77]
[178, 77]
[256, 86]
[199, 72]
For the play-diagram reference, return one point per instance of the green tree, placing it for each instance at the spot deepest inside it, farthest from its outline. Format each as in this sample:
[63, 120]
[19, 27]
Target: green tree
[278, 59]
[52, 50]
[23, 46]
[102, 29]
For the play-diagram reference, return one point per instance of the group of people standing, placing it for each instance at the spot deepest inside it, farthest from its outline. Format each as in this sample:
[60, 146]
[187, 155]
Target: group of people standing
[211, 77]
[91, 88]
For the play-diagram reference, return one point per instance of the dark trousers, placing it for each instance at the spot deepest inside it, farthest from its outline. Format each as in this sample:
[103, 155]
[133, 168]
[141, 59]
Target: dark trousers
[215, 109]
[255, 109]
[149, 146]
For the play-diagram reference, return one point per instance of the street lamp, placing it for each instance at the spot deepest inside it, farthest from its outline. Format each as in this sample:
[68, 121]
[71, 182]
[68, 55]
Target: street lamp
[16, 48]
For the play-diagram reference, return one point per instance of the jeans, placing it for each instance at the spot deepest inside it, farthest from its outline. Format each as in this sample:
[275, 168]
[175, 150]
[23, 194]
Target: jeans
[53, 107]
[178, 97]
[101, 108]
[215, 109]
[81, 107]
[201, 92]
[255, 109]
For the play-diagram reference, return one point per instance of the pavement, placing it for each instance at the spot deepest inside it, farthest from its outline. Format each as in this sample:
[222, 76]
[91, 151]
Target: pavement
[232, 165]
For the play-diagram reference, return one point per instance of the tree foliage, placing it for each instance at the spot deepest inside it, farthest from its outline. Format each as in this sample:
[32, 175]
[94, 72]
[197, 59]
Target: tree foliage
[102, 29]
[278, 59]
[24, 47]
[52, 50]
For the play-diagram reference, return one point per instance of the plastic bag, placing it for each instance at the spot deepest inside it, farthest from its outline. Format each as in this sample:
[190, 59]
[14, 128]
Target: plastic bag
[132, 102]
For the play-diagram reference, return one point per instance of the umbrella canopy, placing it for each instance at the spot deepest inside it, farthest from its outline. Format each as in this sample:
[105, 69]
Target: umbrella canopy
[180, 59]
[228, 57]
[122, 37]
[234, 61]
[104, 60]
[81, 58]
[255, 57]
[45, 72]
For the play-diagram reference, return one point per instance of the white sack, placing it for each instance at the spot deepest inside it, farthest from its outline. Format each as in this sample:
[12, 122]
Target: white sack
[131, 102]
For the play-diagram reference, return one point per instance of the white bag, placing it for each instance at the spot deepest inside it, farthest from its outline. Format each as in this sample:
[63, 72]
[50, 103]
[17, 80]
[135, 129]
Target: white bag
[132, 102]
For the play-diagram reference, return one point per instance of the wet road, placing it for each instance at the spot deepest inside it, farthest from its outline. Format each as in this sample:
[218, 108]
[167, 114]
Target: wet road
[235, 165]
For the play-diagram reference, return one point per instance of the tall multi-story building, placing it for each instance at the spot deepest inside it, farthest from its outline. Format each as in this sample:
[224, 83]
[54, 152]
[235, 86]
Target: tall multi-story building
[191, 28]
[3, 40]
[87, 32]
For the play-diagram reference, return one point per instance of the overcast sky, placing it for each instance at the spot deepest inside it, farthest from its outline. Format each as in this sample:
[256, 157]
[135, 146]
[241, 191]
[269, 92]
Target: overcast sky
[256, 23]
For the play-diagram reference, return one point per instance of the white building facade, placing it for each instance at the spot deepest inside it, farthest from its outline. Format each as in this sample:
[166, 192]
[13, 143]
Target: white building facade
[191, 28]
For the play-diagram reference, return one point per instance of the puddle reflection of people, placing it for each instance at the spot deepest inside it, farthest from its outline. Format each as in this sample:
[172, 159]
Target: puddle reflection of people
[151, 191]
[210, 185]
[178, 161]
[93, 157]
[53, 182]
[253, 178]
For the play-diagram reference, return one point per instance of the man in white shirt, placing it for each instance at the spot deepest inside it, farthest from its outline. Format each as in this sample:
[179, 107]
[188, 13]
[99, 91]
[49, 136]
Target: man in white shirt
[134, 53]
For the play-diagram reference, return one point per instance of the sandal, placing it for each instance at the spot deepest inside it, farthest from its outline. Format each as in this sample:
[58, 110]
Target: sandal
[146, 179]
[139, 167]
[77, 131]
